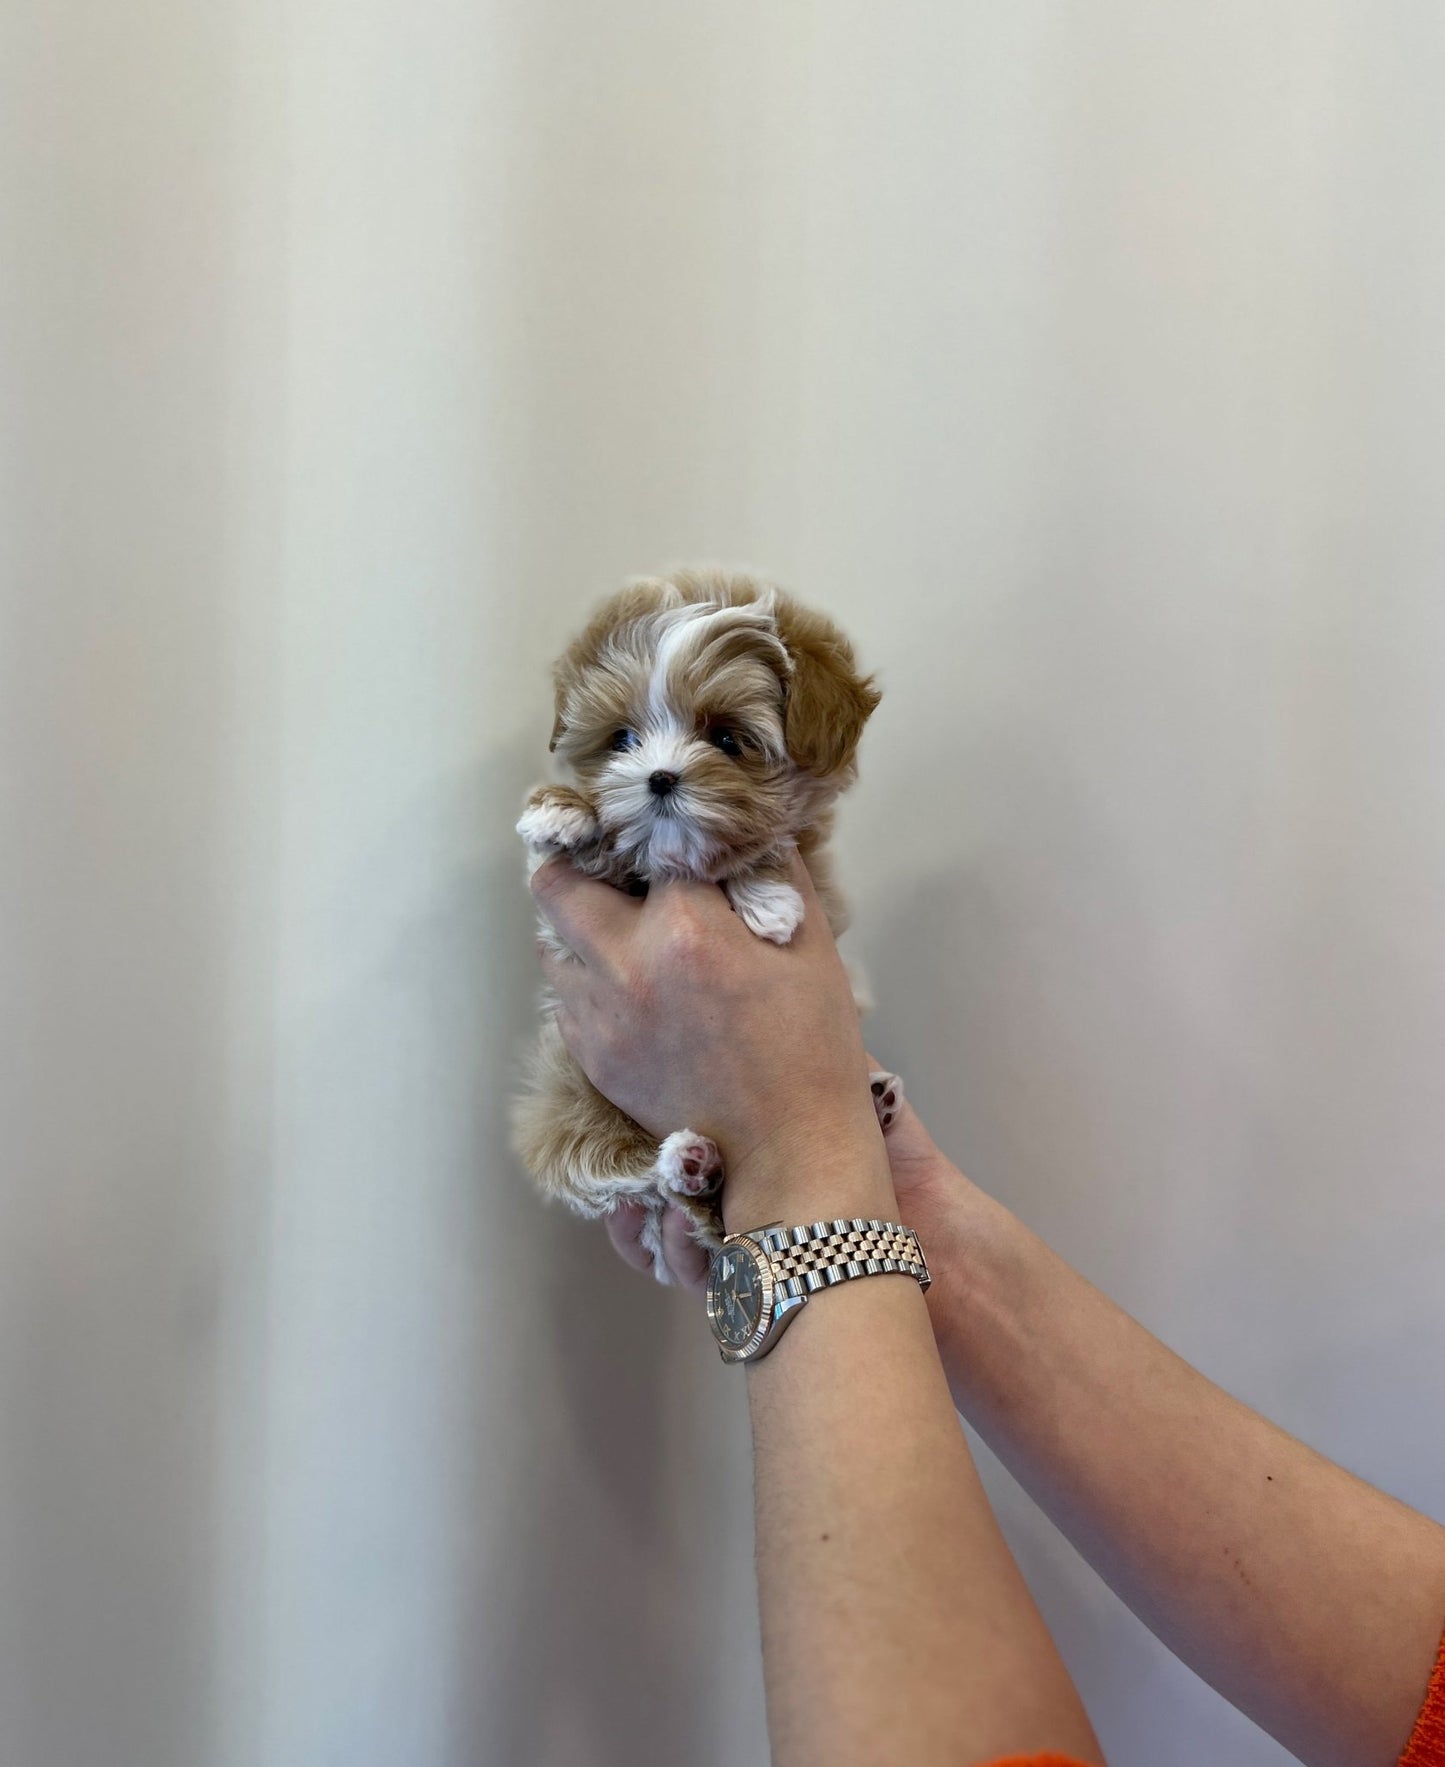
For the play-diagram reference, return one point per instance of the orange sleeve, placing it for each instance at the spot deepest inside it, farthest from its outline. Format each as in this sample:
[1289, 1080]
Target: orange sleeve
[1426, 1747]
[1043, 1761]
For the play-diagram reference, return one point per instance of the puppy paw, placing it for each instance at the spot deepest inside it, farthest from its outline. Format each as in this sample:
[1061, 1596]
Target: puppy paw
[769, 909]
[703, 1227]
[887, 1090]
[650, 1239]
[688, 1165]
[557, 821]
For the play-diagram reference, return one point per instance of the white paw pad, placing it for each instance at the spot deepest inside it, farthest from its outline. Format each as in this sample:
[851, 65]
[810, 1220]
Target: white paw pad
[557, 827]
[887, 1090]
[771, 910]
[688, 1164]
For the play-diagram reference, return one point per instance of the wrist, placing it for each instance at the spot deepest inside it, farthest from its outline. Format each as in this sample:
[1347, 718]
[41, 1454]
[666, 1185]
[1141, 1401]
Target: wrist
[809, 1172]
[954, 1219]
[972, 1245]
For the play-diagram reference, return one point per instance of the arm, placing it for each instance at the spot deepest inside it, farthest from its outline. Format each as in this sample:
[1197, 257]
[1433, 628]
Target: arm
[895, 1623]
[1310, 1600]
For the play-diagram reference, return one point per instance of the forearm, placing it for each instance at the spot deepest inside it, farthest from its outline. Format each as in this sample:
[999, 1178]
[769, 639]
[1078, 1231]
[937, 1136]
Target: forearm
[1313, 1602]
[895, 1623]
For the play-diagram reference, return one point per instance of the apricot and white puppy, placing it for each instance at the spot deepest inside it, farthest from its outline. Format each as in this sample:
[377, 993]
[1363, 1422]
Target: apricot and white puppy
[707, 723]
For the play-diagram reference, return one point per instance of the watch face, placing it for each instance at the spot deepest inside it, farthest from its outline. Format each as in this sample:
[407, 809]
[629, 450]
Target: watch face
[735, 1295]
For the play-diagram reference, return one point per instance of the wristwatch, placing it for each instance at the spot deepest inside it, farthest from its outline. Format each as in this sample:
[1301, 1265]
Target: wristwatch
[759, 1281]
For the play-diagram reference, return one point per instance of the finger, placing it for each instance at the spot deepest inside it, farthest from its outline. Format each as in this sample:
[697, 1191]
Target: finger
[624, 1229]
[558, 970]
[815, 916]
[592, 917]
[563, 978]
[567, 1030]
[685, 1257]
[556, 964]
[802, 880]
[672, 893]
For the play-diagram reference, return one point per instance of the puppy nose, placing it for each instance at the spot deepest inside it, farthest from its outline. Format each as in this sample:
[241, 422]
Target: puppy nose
[660, 784]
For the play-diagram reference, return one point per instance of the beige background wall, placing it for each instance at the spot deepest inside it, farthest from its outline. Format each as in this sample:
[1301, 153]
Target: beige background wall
[1088, 362]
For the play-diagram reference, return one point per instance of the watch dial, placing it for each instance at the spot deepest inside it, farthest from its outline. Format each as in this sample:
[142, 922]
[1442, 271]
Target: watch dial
[735, 1295]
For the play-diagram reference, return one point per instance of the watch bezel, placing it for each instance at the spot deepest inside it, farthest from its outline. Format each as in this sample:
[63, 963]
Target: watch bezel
[768, 1282]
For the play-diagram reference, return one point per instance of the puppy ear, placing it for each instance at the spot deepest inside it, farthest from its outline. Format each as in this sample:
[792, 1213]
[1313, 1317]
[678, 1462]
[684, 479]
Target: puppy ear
[827, 701]
[564, 673]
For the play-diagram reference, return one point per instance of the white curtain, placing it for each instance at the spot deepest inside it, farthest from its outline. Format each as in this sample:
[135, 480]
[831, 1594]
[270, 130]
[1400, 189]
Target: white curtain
[1088, 362]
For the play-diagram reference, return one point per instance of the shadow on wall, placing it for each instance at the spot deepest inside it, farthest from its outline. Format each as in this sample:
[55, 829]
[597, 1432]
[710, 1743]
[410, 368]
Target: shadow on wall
[564, 1636]
[464, 1392]
[1118, 1051]
[1050, 1015]
[984, 1007]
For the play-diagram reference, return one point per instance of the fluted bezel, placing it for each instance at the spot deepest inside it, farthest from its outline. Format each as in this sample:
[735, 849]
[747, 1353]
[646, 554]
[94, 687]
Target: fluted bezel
[767, 1283]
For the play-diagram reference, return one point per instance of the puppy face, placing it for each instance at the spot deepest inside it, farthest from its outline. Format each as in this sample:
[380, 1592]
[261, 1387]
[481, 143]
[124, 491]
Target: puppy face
[709, 720]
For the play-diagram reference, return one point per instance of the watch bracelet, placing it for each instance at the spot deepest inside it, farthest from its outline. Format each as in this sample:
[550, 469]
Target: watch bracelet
[824, 1253]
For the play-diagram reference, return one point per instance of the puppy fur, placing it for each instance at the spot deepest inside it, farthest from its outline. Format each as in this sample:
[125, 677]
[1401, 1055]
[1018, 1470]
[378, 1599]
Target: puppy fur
[706, 723]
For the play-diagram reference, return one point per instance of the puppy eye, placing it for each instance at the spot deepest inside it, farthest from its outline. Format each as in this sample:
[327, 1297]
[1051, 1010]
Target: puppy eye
[727, 740]
[622, 740]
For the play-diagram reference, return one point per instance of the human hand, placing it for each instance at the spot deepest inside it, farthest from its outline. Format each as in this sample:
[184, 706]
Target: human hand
[681, 1016]
[927, 1187]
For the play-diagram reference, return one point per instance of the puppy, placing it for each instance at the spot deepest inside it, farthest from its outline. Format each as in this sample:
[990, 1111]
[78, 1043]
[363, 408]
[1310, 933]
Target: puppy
[707, 723]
